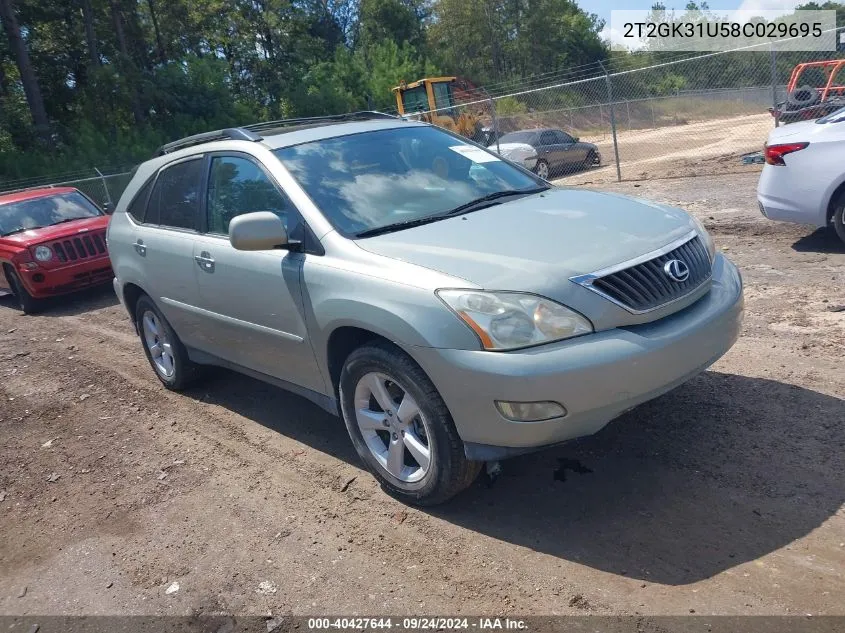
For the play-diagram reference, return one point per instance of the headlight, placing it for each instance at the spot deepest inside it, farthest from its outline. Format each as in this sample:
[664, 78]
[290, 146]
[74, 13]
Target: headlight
[43, 253]
[507, 320]
[705, 237]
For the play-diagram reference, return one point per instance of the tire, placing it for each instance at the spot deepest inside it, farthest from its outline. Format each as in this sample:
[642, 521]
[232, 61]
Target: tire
[542, 169]
[156, 332]
[425, 425]
[26, 302]
[591, 160]
[803, 97]
[839, 216]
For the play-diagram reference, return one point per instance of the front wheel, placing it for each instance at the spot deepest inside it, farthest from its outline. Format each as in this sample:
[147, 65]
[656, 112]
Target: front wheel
[839, 217]
[26, 302]
[401, 427]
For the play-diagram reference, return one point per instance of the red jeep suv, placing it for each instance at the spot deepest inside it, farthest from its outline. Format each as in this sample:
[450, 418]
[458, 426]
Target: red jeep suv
[52, 242]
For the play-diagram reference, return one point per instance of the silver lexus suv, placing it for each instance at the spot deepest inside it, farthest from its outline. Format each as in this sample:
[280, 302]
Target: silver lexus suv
[451, 306]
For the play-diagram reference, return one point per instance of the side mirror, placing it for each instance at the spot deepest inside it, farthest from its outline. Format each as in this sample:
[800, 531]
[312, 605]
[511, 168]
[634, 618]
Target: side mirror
[576, 139]
[108, 208]
[258, 231]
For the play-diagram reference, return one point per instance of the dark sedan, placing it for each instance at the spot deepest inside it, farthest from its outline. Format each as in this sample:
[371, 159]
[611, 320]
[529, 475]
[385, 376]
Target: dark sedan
[556, 151]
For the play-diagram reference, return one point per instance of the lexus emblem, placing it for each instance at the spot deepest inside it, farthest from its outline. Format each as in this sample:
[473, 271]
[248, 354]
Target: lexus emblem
[676, 270]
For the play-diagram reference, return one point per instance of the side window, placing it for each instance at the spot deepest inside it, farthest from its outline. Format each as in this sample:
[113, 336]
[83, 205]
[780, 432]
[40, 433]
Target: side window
[563, 137]
[547, 138]
[237, 186]
[175, 198]
[138, 207]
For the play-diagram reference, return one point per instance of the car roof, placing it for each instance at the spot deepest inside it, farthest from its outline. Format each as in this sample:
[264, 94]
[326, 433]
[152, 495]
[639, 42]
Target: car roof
[30, 194]
[269, 138]
[308, 133]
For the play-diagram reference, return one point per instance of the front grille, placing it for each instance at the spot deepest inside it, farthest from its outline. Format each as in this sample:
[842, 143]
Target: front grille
[83, 246]
[646, 285]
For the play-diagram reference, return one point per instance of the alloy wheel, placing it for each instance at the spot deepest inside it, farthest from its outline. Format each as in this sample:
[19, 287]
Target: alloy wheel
[543, 170]
[393, 427]
[161, 350]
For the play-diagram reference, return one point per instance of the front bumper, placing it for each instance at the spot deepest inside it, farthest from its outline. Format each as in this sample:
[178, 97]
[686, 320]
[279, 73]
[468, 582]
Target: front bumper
[595, 377]
[49, 282]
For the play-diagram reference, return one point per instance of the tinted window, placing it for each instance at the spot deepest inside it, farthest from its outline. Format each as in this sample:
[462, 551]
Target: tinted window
[175, 199]
[138, 207]
[442, 95]
[563, 137]
[415, 100]
[239, 186]
[374, 179]
[834, 117]
[548, 138]
[45, 211]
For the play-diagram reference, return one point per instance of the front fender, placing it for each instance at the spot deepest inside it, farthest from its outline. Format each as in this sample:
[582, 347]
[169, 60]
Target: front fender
[407, 315]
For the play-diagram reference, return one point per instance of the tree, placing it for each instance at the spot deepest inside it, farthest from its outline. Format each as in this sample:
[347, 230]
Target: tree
[90, 35]
[31, 87]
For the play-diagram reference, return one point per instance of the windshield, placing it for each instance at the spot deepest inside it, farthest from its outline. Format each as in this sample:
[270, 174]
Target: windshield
[366, 181]
[45, 211]
[518, 137]
[834, 117]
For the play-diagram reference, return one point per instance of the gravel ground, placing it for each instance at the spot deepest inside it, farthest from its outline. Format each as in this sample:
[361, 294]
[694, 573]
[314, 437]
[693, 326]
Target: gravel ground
[724, 496]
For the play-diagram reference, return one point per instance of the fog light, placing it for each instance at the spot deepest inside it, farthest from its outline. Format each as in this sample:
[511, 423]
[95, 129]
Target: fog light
[530, 411]
[38, 277]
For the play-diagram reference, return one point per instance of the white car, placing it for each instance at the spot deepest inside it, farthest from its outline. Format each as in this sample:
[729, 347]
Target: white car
[519, 153]
[803, 180]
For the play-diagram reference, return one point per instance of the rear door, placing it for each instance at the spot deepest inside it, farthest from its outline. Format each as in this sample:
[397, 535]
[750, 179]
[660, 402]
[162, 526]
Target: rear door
[163, 244]
[251, 301]
[572, 154]
[548, 150]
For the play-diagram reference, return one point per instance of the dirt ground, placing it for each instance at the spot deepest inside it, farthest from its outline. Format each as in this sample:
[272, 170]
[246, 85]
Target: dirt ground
[695, 148]
[724, 496]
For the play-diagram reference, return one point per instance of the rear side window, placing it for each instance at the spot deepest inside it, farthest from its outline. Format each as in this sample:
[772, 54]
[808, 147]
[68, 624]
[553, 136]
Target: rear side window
[176, 197]
[138, 207]
[548, 138]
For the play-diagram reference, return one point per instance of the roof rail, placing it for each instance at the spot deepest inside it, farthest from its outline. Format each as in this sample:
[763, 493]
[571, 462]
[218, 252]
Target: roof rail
[249, 132]
[232, 133]
[363, 115]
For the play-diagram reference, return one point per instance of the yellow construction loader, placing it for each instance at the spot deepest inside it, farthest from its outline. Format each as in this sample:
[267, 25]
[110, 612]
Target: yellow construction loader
[433, 100]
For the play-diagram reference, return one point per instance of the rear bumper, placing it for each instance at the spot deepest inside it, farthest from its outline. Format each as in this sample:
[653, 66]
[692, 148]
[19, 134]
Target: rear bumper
[782, 199]
[50, 282]
[596, 377]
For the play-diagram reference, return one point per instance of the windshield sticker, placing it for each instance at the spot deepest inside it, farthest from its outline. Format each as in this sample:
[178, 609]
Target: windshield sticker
[475, 154]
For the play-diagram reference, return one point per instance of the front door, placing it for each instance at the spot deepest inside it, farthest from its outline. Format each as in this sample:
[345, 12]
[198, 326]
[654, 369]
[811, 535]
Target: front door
[251, 301]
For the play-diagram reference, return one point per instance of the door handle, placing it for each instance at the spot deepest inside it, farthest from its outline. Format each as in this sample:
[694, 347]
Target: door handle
[205, 261]
[140, 247]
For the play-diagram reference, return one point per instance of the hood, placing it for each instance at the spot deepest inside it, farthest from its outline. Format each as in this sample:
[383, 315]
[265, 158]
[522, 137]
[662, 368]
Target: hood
[57, 231]
[537, 242]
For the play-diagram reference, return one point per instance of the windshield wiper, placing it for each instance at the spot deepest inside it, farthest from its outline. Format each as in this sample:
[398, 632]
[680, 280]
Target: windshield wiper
[398, 226]
[472, 205]
[488, 200]
[81, 217]
[21, 229]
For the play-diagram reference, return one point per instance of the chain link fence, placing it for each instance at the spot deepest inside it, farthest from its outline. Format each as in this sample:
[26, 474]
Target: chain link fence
[696, 114]
[101, 188]
[692, 114]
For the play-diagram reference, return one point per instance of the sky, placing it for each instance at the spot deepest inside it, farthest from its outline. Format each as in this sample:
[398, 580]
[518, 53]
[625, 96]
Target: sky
[602, 8]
